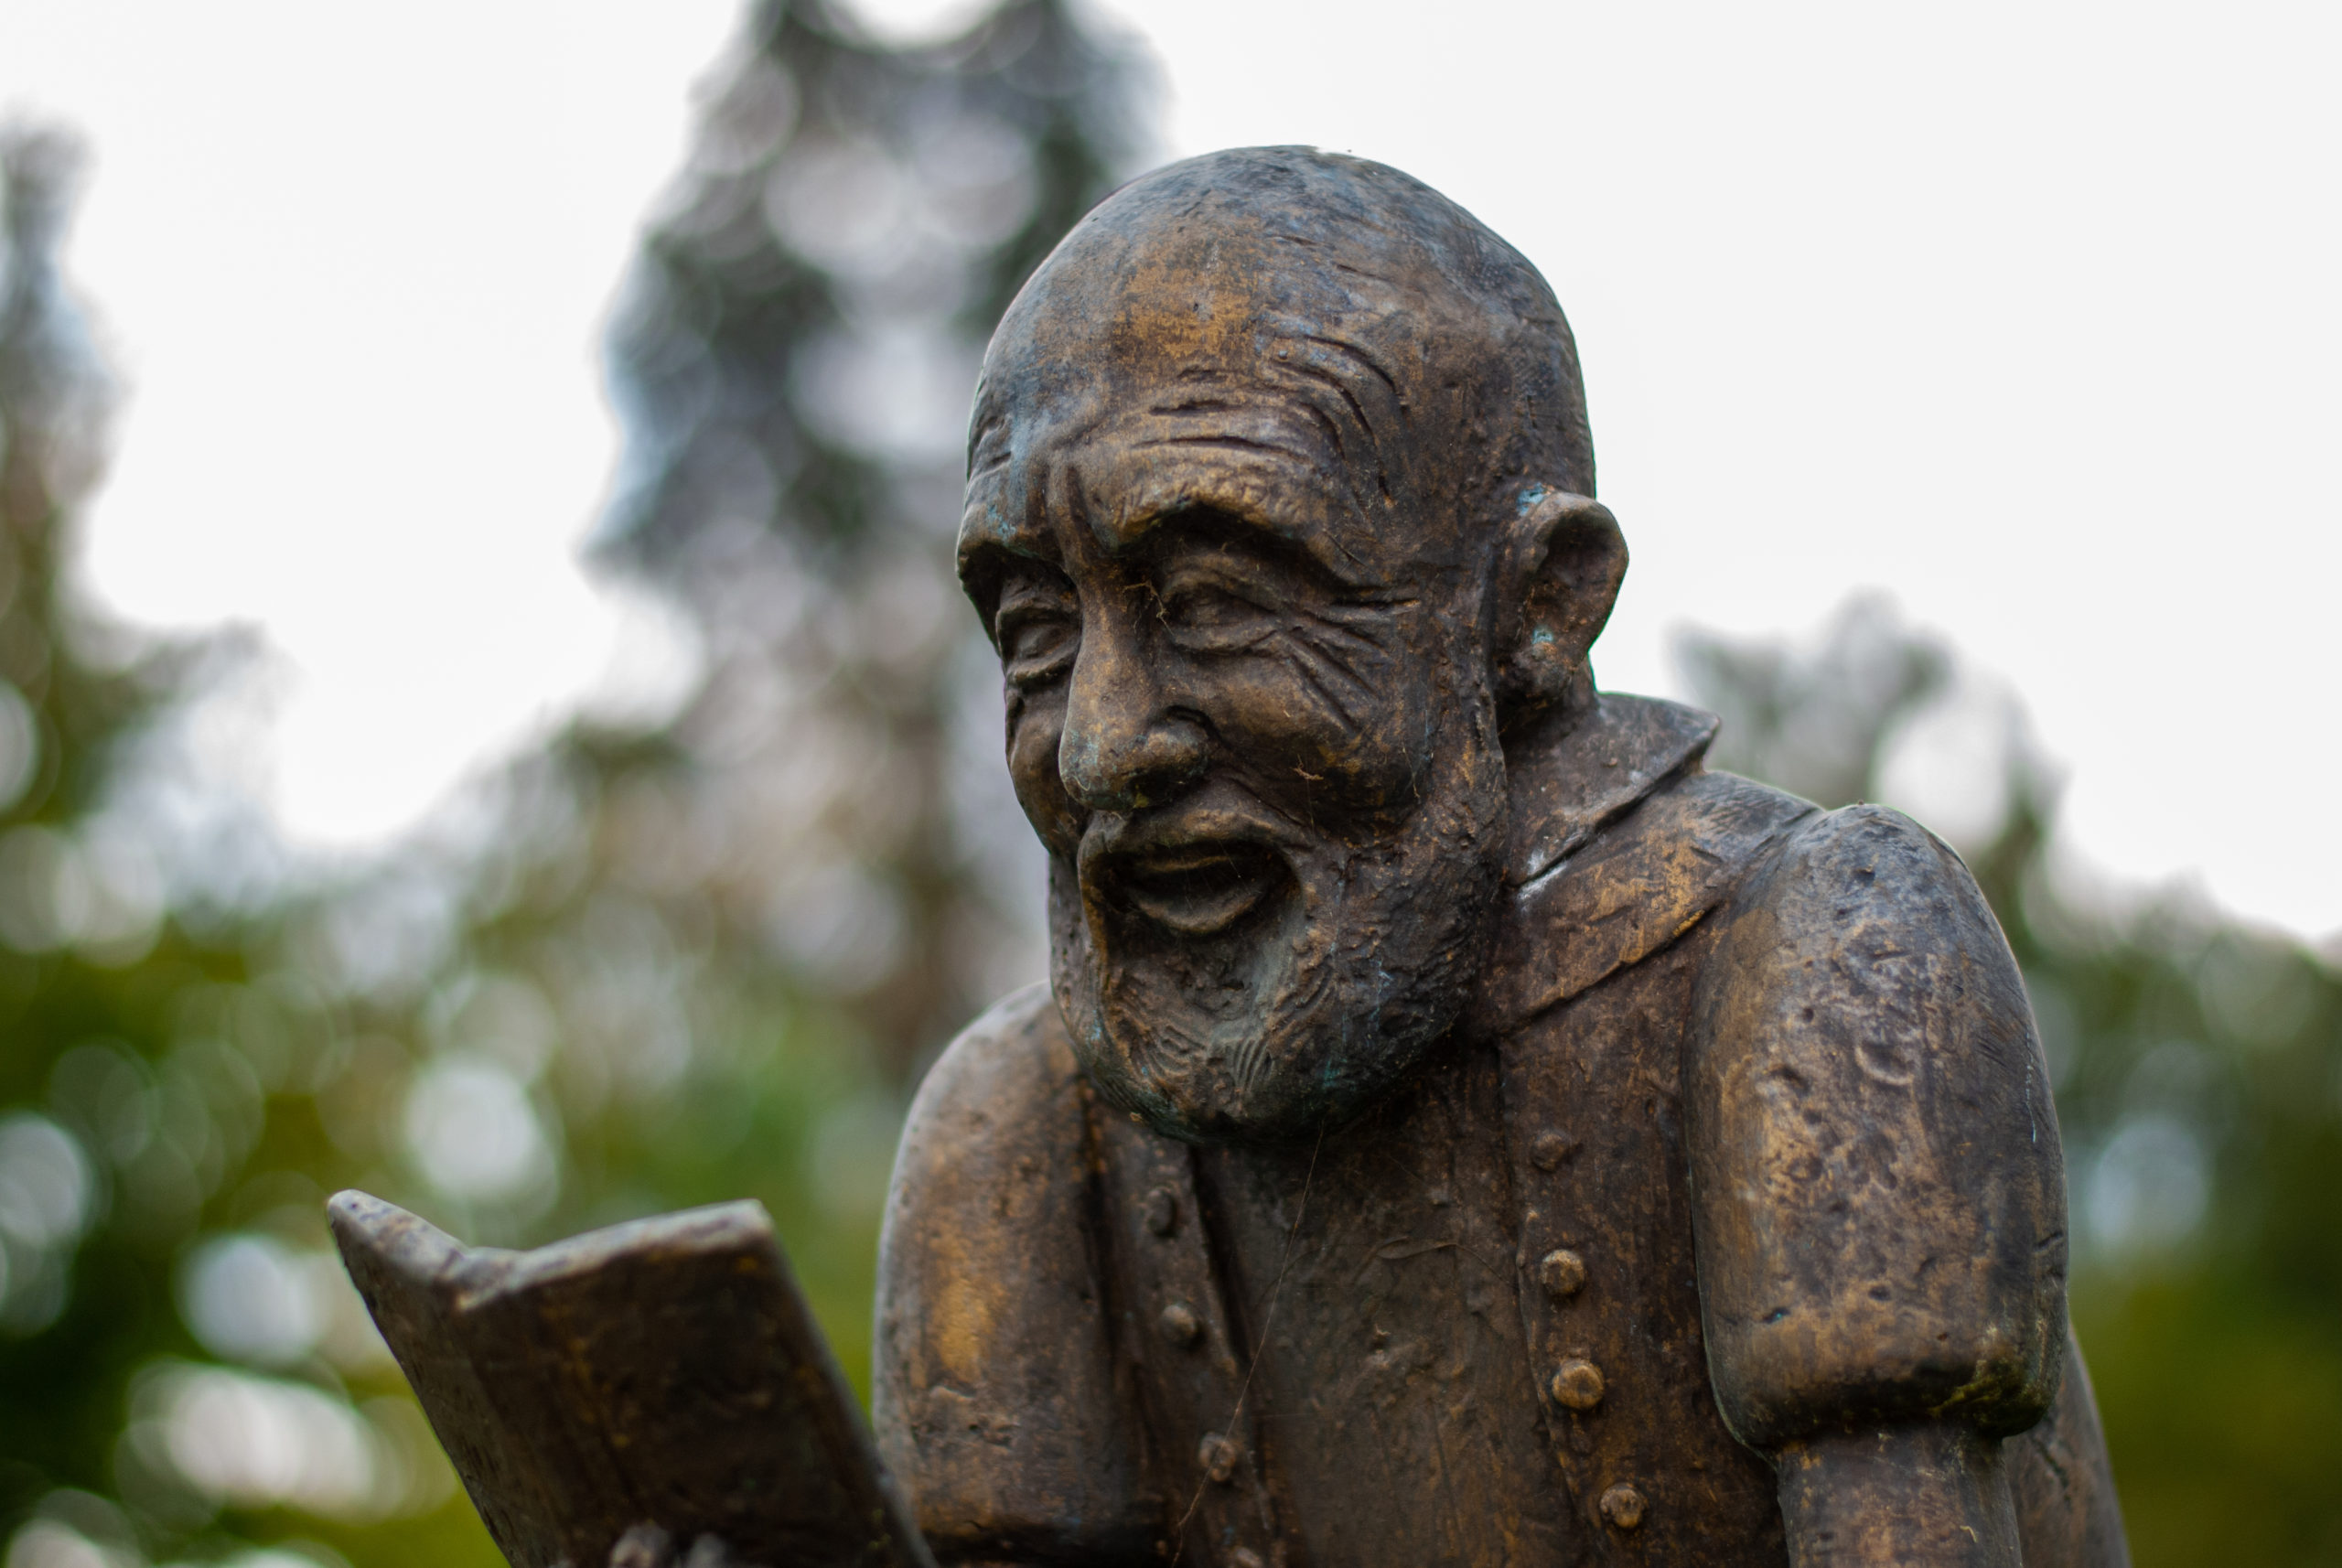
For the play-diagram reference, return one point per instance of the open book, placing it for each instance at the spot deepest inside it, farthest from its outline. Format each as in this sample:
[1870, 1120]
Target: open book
[654, 1394]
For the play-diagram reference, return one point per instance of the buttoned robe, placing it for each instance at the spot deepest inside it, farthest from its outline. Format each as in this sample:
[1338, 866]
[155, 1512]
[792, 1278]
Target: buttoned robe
[1745, 1144]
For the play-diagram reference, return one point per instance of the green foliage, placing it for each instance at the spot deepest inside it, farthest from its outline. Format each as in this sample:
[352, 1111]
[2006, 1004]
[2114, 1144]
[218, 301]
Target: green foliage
[158, 1137]
[794, 353]
[677, 959]
[2198, 1066]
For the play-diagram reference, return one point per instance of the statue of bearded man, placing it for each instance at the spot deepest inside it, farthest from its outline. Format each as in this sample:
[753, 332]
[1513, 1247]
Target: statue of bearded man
[1460, 1128]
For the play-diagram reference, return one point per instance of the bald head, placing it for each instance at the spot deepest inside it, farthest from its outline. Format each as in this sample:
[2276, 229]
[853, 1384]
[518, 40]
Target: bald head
[1427, 357]
[1277, 516]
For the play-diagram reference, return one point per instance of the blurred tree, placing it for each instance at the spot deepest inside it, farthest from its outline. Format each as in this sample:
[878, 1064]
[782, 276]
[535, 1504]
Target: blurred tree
[733, 929]
[2198, 1070]
[690, 949]
[794, 356]
[150, 1133]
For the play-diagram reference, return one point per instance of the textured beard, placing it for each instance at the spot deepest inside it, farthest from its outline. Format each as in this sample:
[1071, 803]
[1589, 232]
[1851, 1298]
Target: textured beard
[1313, 1006]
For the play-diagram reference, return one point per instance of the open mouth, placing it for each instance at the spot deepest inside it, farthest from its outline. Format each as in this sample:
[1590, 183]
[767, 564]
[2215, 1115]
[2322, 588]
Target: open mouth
[1197, 889]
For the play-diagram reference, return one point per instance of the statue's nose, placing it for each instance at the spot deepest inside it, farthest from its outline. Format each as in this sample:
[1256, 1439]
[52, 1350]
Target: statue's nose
[1122, 749]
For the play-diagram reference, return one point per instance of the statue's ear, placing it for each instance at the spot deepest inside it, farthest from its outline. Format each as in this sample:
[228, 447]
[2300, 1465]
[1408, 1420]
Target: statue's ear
[1556, 579]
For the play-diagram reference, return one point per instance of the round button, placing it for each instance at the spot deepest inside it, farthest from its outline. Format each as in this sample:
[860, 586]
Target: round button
[1623, 1506]
[1218, 1455]
[1548, 1149]
[1179, 1324]
[1162, 1207]
[1577, 1384]
[1562, 1273]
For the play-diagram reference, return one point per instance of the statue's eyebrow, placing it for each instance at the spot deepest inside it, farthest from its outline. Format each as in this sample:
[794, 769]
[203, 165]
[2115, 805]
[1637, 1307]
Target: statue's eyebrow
[997, 526]
[989, 562]
[988, 443]
[1278, 513]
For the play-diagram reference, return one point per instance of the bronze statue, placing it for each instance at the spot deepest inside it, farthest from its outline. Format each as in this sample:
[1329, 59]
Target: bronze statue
[1458, 1128]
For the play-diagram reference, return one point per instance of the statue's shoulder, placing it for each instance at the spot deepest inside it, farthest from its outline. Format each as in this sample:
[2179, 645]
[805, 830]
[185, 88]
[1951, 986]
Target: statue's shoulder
[993, 1388]
[1879, 1194]
[1008, 1077]
[1860, 874]
[994, 1146]
[1863, 937]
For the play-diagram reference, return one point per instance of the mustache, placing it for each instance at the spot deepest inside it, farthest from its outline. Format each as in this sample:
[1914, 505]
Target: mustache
[1216, 812]
[1195, 866]
[1222, 811]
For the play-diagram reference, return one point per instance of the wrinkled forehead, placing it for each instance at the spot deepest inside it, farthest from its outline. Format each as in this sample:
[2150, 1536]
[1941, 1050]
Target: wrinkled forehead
[1118, 460]
[1201, 367]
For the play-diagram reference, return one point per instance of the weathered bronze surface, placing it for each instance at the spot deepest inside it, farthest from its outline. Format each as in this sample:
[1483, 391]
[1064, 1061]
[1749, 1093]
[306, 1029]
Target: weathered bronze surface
[1460, 1128]
[655, 1395]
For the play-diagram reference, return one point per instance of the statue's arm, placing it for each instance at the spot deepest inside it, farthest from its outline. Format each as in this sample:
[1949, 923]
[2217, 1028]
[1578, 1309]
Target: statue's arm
[1878, 1195]
[995, 1392]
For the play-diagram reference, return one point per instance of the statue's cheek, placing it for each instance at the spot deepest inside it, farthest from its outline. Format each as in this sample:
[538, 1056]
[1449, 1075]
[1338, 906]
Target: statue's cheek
[1035, 723]
[1335, 723]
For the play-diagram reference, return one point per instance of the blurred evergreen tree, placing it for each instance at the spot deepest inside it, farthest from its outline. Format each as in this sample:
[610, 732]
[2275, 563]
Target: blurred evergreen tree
[148, 1090]
[794, 357]
[678, 954]
[2199, 1070]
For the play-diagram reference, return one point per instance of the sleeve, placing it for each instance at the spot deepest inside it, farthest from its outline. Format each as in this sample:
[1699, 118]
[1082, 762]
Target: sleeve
[1878, 1191]
[995, 1386]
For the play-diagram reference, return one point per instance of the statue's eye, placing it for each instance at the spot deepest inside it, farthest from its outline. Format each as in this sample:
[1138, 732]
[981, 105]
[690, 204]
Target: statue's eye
[1213, 615]
[1038, 637]
[1037, 626]
[1036, 644]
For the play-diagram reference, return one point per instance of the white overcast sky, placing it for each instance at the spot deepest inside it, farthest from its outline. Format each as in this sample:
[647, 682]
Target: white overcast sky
[2024, 314]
